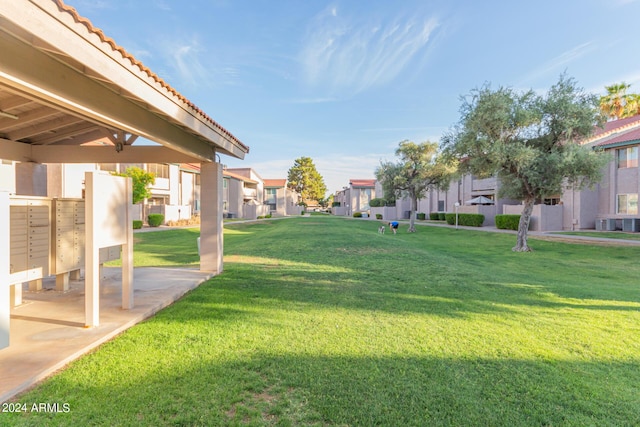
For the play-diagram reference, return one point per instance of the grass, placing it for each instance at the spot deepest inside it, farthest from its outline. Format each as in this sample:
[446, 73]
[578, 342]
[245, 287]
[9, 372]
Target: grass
[322, 321]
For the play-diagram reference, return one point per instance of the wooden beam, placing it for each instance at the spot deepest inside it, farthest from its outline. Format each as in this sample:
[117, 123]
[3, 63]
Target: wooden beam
[92, 154]
[50, 125]
[14, 101]
[24, 119]
[67, 133]
[16, 151]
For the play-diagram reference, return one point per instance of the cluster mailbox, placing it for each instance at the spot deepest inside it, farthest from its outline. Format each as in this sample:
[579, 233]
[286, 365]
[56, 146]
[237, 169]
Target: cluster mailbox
[47, 237]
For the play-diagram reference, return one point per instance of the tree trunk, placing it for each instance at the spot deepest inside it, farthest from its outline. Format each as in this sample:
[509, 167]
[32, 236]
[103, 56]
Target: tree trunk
[523, 226]
[412, 215]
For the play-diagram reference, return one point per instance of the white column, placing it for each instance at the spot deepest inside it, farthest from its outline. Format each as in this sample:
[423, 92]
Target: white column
[127, 252]
[91, 256]
[211, 241]
[5, 300]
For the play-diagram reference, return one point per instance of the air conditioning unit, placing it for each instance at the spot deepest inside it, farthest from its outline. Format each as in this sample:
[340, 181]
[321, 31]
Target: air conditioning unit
[631, 225]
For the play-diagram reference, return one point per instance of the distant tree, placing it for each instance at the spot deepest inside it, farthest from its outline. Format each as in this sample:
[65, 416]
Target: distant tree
[419, 170]
[304, 178]
[530, 141]
[617, 103]
[141, 181]
[326, 201]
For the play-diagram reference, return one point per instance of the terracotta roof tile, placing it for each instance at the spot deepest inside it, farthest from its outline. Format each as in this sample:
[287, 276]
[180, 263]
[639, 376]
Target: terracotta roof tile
[275, 182]
[616, 132]
[114, 46]
[362, 182]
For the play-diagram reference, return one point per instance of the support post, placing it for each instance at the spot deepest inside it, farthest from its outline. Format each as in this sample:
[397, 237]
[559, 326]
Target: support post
[127, 253]
[5, 299]
[211, 228]
[91, 257]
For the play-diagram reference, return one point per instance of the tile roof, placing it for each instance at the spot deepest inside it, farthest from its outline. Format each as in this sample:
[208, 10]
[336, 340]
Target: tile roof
[275, 182]
[616, 132]
[362, 182]
[125, 55]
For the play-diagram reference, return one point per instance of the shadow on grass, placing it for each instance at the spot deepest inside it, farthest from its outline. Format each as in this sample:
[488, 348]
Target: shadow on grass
[265, 389]
[456, 296]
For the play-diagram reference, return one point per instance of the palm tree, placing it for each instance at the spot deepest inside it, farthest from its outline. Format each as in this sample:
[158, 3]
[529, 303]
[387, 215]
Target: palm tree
[614, 102]
[632, 108]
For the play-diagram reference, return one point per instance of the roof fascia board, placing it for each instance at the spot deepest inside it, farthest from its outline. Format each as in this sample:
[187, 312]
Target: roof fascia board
[618, 144]
[21, 152]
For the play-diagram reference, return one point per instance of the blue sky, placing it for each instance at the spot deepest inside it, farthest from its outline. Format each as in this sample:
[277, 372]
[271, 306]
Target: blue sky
[343, 82]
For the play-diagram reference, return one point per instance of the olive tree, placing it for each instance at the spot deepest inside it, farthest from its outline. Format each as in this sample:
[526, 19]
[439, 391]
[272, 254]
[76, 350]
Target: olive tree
[531, 142]
[419, 170]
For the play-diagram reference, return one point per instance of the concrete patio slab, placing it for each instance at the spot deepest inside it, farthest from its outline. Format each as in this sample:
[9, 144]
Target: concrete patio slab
[47, 330]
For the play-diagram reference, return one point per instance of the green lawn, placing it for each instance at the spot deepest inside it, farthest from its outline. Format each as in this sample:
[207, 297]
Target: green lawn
[322, 321]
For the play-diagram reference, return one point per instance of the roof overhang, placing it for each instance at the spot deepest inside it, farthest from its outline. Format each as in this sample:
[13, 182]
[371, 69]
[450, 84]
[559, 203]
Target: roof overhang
[63, 83]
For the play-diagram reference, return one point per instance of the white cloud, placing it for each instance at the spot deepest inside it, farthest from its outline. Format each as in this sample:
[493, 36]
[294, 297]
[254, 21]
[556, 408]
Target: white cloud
[557, 64]
[190, 61]
[344, 55]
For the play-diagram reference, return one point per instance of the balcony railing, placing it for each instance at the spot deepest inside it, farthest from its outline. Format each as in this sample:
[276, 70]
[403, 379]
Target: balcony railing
[250, 193]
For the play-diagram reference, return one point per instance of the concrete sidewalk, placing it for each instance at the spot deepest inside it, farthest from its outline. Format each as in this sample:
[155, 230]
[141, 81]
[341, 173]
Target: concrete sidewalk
[546, 235]
[47, 330]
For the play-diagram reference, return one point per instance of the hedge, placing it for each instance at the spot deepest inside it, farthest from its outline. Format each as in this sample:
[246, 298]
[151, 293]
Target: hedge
[378, 216]
[507, 222]
[434, 216]
[421, 216]
[155, 220]
[470, 220]
[442, 216]
[357, 214]
[377, 203]
[137, 224]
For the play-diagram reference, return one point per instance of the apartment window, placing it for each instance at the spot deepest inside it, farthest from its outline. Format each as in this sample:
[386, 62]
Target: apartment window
[628, 204]
[225, 183]
[628, 157]
[440, 205]
[552, 201]
[158, 169]
[271, 198]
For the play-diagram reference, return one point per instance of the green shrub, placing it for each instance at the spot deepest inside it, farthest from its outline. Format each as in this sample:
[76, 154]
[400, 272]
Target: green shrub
[377, 203]
[137, 224]
[357, 214]
[378, 216]
[442, 216]
[507, 222]
[434, 216]
[260, 217]
[470, 220]
[268, 216]
[421, 216]
[302, 213]
[155, 220]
